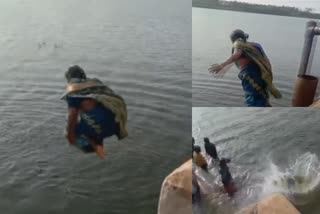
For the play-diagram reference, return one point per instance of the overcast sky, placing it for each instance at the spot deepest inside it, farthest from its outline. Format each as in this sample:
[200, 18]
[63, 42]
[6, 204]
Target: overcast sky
[295, 3]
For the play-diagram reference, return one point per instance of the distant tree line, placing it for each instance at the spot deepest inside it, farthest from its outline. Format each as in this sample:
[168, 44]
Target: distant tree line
[256, 8]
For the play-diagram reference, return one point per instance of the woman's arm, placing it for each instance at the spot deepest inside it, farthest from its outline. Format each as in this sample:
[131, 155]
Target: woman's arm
[235, 56]
[72, 123]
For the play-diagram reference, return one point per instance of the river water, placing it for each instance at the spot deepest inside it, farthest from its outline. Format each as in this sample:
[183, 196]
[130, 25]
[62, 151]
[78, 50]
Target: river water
[281, 37]
[267, 147]
[142, 50]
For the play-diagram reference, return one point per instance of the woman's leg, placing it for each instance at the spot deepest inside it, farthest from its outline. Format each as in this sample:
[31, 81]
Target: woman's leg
[84, 130]
[98, 147]
[254, 87]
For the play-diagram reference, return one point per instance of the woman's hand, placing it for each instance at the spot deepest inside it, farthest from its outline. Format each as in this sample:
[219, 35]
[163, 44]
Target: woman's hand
[215, 68]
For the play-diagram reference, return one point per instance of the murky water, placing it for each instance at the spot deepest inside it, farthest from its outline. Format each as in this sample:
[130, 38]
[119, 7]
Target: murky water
[142, 50]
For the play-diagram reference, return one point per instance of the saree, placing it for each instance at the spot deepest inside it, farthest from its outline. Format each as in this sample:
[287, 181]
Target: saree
[95, 89]
[261, 61]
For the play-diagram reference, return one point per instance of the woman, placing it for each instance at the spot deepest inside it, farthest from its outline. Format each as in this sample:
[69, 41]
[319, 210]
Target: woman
[102, 113]
[255, 70]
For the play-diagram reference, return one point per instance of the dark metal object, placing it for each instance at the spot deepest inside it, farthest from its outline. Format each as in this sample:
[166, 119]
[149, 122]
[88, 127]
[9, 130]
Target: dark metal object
[311, 30]
[306, 84]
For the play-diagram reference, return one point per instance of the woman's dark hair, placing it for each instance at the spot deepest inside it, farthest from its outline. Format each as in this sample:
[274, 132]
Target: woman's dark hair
[238, 34]
[206, 140]
[75, 72]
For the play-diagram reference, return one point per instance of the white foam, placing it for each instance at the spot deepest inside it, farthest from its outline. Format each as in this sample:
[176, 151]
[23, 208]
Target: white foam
[303, 173]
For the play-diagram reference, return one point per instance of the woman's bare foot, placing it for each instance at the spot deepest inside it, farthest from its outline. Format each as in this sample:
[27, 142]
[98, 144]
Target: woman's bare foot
[100, 151]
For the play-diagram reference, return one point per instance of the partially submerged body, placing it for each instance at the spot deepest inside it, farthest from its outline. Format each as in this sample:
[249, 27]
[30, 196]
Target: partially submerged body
[226, 178]
[210, 149]
[199, 160]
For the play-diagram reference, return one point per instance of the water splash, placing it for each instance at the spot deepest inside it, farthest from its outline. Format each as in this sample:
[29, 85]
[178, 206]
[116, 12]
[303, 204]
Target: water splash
[299, 181]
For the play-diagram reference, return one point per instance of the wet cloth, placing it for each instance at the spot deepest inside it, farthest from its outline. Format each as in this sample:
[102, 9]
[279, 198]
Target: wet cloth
[83, 144]
[226, 177]
[97, 124]
[256, 54]
[254, 87]
[211, 150]
[110, 105]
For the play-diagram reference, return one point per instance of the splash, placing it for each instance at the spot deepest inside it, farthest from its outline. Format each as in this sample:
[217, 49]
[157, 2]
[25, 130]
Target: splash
[299, 181]
[216, 200]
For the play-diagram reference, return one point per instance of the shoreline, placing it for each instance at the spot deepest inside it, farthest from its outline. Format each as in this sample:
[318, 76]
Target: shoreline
[244, 11]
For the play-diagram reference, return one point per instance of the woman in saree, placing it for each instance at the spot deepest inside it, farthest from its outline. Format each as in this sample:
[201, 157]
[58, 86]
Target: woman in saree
[255, 70]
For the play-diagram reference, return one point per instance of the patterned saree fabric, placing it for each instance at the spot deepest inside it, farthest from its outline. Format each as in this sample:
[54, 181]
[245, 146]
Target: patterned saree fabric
[257, 57]
[95, 89]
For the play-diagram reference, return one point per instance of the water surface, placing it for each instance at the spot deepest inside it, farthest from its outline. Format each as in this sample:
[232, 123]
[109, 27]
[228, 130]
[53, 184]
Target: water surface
[142, 50]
